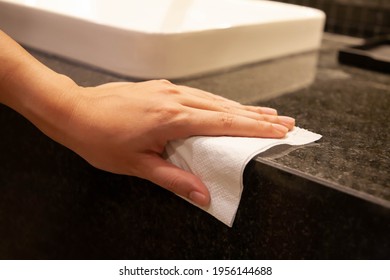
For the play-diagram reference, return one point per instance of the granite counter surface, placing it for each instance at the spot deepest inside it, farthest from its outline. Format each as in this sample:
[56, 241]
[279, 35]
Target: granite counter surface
[330, 199]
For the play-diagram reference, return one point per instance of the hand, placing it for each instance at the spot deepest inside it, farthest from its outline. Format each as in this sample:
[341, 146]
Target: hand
[124, 127]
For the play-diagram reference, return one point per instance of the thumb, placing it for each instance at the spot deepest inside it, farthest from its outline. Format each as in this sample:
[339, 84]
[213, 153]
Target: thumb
[174, 179]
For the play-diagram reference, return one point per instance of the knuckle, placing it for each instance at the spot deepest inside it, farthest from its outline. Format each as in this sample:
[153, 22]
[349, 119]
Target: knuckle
[170, 110]
[227, 119]
[172, 89]
[164, 81]
[173, 183]
[166, 87]
[264, 126]
[168, 113]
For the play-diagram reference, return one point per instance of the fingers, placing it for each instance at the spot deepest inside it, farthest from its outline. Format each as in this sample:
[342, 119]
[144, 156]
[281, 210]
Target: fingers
[209, 99]
[213, 123]
[229, 115]
[174, 179]
[288, 122]
[263, 110]
[232, 111]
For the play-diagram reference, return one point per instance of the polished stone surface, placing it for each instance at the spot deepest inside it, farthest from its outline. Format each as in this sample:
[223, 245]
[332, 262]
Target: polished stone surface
[328, 200]
[350, 109]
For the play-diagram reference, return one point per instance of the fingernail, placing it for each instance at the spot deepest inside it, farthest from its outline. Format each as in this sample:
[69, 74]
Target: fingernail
[282, 130]
[269, 111]
[287, 120]
[198, 198]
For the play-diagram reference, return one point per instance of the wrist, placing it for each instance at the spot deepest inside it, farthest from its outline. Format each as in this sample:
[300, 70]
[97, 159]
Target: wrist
[52, 108]
[44, 97]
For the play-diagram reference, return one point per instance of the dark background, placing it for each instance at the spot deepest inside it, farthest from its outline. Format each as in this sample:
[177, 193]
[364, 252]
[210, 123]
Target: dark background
[360, 18]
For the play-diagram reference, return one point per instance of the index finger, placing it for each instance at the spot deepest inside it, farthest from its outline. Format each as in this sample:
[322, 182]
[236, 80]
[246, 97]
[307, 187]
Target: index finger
[213, 123]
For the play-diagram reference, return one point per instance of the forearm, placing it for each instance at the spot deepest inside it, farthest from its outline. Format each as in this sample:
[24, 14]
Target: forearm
[43, 96]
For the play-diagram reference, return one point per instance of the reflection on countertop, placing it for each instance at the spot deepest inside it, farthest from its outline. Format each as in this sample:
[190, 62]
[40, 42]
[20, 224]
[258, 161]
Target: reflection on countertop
[261, 81]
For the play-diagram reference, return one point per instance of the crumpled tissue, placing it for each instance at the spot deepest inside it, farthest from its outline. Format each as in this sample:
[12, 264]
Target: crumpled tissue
[220, 162]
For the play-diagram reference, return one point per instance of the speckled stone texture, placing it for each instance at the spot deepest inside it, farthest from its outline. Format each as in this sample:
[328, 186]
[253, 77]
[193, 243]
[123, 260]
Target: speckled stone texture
[328, 200]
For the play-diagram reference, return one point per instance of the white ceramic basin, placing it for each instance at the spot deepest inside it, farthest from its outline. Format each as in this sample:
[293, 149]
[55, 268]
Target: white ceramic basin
[163, 38]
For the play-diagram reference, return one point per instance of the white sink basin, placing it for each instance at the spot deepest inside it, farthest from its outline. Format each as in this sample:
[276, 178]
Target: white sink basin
[163, 38]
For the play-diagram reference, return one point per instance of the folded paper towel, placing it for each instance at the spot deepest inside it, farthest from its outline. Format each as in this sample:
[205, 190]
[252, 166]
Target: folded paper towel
[220, 162]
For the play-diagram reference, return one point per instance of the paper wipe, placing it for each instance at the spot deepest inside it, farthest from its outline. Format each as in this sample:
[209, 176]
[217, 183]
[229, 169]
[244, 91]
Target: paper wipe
[220, 162]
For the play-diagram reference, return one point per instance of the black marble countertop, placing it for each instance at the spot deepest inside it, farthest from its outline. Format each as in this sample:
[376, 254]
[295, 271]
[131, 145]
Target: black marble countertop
[327, 200]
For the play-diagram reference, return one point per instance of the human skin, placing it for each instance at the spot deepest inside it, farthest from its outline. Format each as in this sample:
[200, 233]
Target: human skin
[123, 127]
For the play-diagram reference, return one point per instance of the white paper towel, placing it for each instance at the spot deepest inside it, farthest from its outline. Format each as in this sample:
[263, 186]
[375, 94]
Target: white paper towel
[220, 162]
